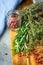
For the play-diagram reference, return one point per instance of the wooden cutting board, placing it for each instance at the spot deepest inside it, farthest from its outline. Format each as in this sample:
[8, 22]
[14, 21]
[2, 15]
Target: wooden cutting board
[21, 60]
[15, 59]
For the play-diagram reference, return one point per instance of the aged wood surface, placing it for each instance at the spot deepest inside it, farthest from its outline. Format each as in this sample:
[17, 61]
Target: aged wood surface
[15, 59]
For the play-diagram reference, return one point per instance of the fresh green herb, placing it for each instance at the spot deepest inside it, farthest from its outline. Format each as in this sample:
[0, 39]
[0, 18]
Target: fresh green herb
[31, 29]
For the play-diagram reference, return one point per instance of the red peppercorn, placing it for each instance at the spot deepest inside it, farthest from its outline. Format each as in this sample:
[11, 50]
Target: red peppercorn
[41, 56]
[13, 26]
[9, 24]
[23, 54]
[19, 54]
[15, 23]
[38, 59]
[34, 53]
[6, 53]
[41, 51]
[39, 64]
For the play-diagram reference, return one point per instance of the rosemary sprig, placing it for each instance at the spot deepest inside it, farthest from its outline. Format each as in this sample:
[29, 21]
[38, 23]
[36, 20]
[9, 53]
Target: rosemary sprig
[32, 26]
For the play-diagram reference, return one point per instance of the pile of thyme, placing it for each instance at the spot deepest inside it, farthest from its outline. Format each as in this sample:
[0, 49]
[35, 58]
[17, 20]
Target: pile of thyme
[31, 30]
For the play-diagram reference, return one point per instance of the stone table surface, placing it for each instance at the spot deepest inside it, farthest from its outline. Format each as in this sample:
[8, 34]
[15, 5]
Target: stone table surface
[5, 48]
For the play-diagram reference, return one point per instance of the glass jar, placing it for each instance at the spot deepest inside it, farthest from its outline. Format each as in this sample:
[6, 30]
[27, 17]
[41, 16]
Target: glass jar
[14, 20]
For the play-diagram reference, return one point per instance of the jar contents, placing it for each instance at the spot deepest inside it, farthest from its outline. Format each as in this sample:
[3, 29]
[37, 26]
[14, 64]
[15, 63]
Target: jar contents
[14, 20]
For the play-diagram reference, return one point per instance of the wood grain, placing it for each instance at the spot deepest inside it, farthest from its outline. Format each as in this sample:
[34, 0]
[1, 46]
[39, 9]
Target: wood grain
[15, 59]
[21, 60]
[24, 4]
